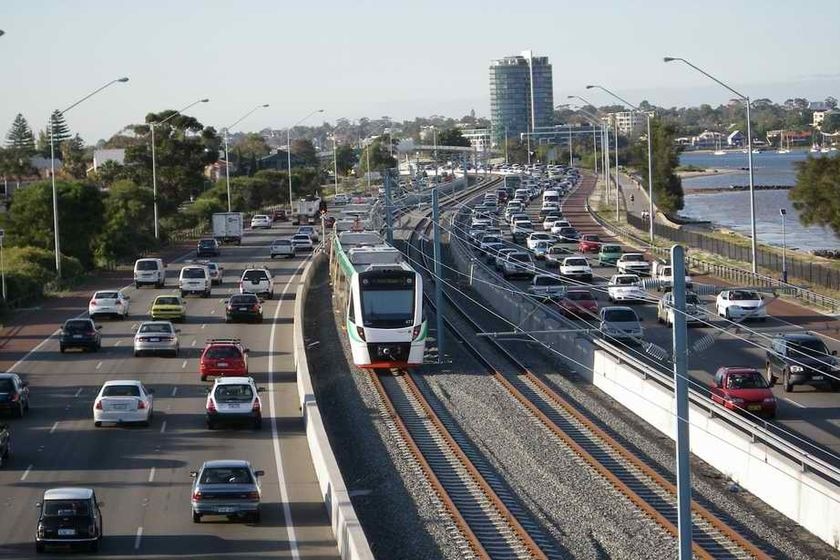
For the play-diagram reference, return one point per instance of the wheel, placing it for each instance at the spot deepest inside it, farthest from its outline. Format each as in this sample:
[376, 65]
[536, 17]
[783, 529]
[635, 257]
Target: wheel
[255, 517]
[272, 257]
[211, 425]
[204, 378]
[786, 381]
[206, 294]
[196, 517]
[61, 348]
[270, 295]
[94, 348]
[183, 293]
[257, 425]
[175, 353]
[726, 314]
[99, 346]
[159, 285]
[768, 372]
[39, 547]
[136, 353]
[94, 546]
[97, 424]
[137, 285]
[18, 412]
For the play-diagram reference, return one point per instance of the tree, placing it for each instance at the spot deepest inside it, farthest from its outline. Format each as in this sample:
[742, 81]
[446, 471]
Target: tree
[20, 137]
[127, 230]
[378, 157]
[59, 129]
[452, 137]
[345, 158]
[667, 186]
[304, 151]
[817, 192]
[73, 158]
[831, 102]
[252, 145]
[831, 123]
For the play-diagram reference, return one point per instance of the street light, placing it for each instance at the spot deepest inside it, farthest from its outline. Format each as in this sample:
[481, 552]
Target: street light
[783, 213]
[227, 157]
[605, 142]
[746, 100]
[52, 168]
[154, 168]
[335, 161]
[593, 120]
[289, 151]
[650, 157]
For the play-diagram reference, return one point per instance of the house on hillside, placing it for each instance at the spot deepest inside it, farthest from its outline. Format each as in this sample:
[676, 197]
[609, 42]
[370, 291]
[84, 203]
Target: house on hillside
[707, 140]
[736, 139]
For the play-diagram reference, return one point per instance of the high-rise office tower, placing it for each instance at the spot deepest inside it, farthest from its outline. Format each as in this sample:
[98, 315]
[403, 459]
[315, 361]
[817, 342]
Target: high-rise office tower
[521, 95]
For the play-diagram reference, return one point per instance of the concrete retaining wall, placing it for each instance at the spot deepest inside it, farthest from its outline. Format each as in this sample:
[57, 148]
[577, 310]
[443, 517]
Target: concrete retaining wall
[803, 496]
[351, 539]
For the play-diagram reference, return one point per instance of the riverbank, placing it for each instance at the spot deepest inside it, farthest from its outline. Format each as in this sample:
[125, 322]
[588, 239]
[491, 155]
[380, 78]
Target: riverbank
[706, 173]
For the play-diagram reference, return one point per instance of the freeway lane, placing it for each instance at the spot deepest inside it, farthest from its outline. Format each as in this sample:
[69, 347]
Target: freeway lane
[142, 474]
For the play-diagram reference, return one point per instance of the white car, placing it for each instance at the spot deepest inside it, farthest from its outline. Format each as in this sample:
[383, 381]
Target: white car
[693, 309]
[559, 225]
[577, 268]
[549, 222]
[311, 231]
[532, 239]
[109, 302]
[633, 263]
[257, 281]
[620, 323]
[234, 399]
[123, 401]
[302, 242]
[195, 279]
[737, 304]
[546, 286]
[154, 337]
[626, 287]
[282, 248]
[261, 221]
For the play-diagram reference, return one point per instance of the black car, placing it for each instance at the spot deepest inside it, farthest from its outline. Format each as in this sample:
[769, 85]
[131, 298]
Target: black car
[208, 247]
[14, 394]
[69, 516]
[5, 444]
[568, 235]
[80, 333]
[802, 358]
[243, 307]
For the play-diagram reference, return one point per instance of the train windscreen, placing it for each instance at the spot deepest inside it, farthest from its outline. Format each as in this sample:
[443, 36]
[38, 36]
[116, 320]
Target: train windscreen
[387, 299]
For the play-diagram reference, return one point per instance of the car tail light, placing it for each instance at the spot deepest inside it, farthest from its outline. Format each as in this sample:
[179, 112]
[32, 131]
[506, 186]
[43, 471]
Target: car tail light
[41, 531]
[141, 405]
[361, 332]
[211, 406]
[256, 407]
[196, 495]
[255, 307]
[15, 397]
[98, 405]
[416, 332]
[252, 496]
[93, 302]
[91, 529]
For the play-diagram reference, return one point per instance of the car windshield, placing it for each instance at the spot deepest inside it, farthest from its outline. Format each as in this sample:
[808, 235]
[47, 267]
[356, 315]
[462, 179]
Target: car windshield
[78, 326]
[547, 281]
[243, 299]
[811, 347]
[226, 475]
[633, 257]
[626, 280]
[222, 352]
[121, 391]
[66, 508]
[590, 238]
[610, 249]
[576, 262]
[106, 295]
[281, 242]
[739, 295]
[146, 265]
[156, 328]
[234, 393]
[301, 238]
[255, 275]
[260, 217]
[620, 316]
[746, 380]
[213, 267]
[6, 386]
[307, 230]
[520, 257]
[207, 242]
[193, 273]
[167, 300]
[579, 296]
[692, 299]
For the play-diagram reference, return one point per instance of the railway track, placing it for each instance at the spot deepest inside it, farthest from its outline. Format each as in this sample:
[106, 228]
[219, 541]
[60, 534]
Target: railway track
[644, 487]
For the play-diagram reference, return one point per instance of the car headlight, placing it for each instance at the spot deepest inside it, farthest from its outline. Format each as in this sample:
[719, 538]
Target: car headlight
[797, 369]
[769, 400]
[735, 400]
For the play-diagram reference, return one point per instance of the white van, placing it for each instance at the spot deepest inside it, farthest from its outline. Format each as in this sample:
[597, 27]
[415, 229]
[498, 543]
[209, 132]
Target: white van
[551, 196]
[195, 279]
[149, 271]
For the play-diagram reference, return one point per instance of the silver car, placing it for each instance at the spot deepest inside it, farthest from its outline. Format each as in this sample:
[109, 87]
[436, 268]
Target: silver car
[282, 248]
[154, 337]
[621, 323]
[228, 487]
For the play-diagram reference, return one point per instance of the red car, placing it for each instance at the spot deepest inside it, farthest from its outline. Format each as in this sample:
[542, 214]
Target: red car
[578, 302]
[743, 389]
[589, 243]
[279, 216]
[223, 357]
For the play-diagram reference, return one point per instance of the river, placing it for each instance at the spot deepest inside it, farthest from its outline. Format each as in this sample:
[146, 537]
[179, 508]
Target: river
[732, 209]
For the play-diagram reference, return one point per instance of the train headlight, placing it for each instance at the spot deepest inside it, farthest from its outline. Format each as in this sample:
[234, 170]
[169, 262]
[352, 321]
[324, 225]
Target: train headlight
[361, 332]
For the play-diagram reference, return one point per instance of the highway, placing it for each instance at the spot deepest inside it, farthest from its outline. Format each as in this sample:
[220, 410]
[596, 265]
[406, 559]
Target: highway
[142, 474]
[808, 413]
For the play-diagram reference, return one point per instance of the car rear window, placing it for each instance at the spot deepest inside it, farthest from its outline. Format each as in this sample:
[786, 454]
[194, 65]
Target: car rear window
[78, 326]
[121, 391]
[751, 380]
[223, 352]
[146, 265]
[255, 275]
[166, 300]
[243, 299]
[66, 508]
[106, 295]
[579, 296]
[226, 475]
[576, 262]
[156, 328]
[207, 242]
[610, 249]
[282, 242]
[6, 386]
[626, 280]
[193, 273]
[620, 315]
[233, 393]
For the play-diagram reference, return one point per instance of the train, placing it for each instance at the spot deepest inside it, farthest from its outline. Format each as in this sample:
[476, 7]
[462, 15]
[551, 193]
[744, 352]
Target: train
[381, 297]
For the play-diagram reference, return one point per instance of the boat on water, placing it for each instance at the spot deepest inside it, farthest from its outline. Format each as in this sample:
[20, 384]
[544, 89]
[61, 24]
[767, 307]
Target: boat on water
[719, 149]
[756, 151]
[815, 149]
[825, 150]
[784, 148]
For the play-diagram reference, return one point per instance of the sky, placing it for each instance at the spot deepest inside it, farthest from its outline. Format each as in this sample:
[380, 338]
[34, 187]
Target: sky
[402, 59]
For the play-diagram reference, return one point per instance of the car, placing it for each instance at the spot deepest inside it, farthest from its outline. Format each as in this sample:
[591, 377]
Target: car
[566, 234]
[68, 516]
[621, 323]
[5, 444]
[693, 309]
[257, 281]
[802, 358]
[123, 401]
[207, 247]
[548, 208]
[311, 231]
[302, 242]
[533, 238]
[14, 395]
[233, 399]
[282, 248]
[663, 274]
[223, 357]
[279, 215]
[168, 308]
[626, 288]
[555, 255]
[540, 249]
[149, 271]
[261, 221]
[576, 268]
[740, 304]
[549, 222]
[743, 389]
[216, 272]
[243, 307]
[502, 255]
[558, 225]
[488, 240]
[113, 303]
[79, 333]
[609, 254]
[154, 337]
[578, 302]
[547, 286]
[195, 279]
[518, 263]
[633, 263]
[589, 243]
[229, 488]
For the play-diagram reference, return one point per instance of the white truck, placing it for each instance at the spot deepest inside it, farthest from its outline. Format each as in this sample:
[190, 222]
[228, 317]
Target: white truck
[663, 273]
[305, 210]
[228, 226]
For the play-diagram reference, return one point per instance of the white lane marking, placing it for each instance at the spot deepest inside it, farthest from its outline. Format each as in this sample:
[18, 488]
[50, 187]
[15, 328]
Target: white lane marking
[183, 365]
[212, 312]
[193, 342]
[281, 477]
[26, 472]
[54, 426]
[204, 325]
[175, 389]
[79, 392]
[99, 365]
[794, 403]
[138, 538]
[152, 474]
[117, 343]
[163, 426]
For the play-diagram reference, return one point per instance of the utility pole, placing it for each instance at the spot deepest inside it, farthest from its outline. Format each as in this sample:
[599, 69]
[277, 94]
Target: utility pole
[680, 353]
[438, 273]
[389, 218]
[617, 189]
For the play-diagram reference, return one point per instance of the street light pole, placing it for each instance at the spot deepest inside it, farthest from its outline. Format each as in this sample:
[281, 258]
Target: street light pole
[227, 154]
[506, 145]
[289, 152]
[52, 169]
[335, 162]
[154, 167]
[783, 213]
[744, 98]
